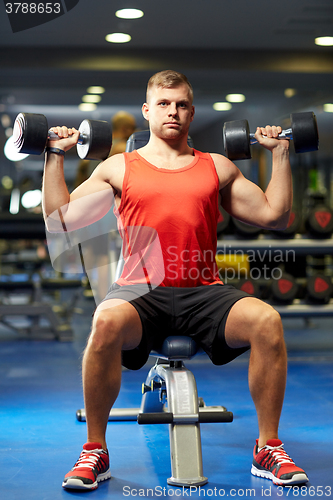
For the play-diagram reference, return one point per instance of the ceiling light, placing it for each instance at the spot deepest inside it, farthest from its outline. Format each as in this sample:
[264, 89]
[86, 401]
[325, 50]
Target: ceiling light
[118, 38]
[324, 41]
[86, 106]
[328, 108]
[222, 106]
[290, 92]
[235, 97]
[91, 98]
[129, 13]
[7, 182]
[14, 204]
[96, 90]
[11, 151]
[31, 199]
[5, 121]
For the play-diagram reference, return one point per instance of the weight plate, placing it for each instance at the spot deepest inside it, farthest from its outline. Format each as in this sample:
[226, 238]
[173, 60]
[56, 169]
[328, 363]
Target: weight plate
[305, 132]
[223, 221]
[292, 227]
[249, 286]
[285, 288]
[83, 146]
[236, 139]
[30, 133]
[319, 287]
[245, 230]
[320, 221]
[96, 140]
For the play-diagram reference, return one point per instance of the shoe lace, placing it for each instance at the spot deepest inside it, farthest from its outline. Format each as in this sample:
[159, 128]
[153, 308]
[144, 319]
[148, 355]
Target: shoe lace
[87, 459]
[280, 455]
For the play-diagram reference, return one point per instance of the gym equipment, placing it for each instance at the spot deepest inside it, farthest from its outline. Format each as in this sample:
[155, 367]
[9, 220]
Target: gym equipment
[292, 228]
[231, 265]
[319, 288]
[303, 131]
[319, 221]
[284, 289]
[22, 294]
[223, 222]
[31, 134]
[169, 381]
[245, 230]
[249, 286]
[140, 139]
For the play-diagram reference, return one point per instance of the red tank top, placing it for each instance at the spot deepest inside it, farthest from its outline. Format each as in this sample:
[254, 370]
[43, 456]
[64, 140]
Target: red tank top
[168, 219]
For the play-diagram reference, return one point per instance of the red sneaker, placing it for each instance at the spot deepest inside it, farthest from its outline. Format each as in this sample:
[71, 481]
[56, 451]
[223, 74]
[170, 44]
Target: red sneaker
[272, 462]
[91, 468]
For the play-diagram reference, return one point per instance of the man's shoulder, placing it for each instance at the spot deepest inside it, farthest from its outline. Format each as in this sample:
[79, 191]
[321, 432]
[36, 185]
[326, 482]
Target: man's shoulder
[111, 170]
[222, 161]
[114, 161]
[226, 169]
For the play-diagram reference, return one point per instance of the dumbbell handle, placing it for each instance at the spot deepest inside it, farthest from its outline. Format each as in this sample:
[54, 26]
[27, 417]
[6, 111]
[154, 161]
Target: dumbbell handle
[54, 137]
[285, 134]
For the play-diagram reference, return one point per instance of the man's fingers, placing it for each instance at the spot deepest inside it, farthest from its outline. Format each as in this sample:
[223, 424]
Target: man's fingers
[63, 132]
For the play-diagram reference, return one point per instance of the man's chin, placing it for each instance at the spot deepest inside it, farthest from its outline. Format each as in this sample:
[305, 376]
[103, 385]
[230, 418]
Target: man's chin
[173, 134]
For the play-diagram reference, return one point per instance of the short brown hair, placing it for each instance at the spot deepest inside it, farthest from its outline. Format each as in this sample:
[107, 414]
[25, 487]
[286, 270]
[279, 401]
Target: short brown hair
[169, 79]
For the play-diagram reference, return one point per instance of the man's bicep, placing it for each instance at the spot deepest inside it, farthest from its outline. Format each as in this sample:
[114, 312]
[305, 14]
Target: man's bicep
[244, 200]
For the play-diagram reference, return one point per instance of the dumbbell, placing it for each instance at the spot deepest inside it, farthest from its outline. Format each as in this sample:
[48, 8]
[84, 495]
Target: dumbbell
[245, 230]
[249, 286]
[319, 288]
[284, 289]
[303, 131]
[319, 221]
[31, 133]
[292, 227]
[223, 222]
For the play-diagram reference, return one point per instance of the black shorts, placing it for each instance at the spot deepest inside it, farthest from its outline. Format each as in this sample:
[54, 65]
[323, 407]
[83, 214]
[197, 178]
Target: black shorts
[200, 313]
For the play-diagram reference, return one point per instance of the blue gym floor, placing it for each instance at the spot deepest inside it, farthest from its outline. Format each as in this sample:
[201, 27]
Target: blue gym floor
[41, 438]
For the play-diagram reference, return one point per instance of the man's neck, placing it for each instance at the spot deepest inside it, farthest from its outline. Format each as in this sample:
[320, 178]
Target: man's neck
[166, 148]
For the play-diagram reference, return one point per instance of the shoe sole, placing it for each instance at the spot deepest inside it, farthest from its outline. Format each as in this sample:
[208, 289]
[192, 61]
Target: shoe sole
[298, 479]
[77, 484]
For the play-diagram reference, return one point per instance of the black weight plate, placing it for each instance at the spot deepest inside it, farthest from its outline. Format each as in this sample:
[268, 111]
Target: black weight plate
[319, 287]
[285, 288]
[305, 132]
[320, 221]
[97, 140]
[30, 133]
[223, 221]
[249, 286]
[292, 227]
[245, 230]
[236, 139]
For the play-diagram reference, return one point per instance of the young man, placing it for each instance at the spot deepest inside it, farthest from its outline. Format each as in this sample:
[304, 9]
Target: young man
[175, 190]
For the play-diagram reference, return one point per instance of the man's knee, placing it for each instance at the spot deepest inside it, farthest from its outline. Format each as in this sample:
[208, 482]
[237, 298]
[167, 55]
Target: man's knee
[106, 331]
[269, 329]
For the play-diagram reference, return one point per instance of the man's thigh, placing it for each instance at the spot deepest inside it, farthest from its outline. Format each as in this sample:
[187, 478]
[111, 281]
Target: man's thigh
[122, 316]
[243, 320]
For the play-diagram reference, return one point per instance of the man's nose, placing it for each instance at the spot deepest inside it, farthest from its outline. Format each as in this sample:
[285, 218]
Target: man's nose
[173, 109]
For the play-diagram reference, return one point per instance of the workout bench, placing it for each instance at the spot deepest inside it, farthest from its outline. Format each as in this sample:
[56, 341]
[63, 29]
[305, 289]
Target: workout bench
[170, 396]
[169, 383]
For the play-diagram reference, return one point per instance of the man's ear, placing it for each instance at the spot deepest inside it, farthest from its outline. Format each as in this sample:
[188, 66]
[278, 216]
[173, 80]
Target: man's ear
[192, 114]
[145, 110]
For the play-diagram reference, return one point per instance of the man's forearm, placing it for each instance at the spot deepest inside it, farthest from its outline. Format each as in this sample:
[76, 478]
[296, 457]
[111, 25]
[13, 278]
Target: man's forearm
[279, 192]
[55, 191]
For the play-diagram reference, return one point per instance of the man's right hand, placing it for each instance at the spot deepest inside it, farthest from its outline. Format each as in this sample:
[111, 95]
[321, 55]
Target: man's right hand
[68, 137]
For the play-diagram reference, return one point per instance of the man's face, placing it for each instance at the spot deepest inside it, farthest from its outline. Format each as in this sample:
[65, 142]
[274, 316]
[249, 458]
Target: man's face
[169, 111]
